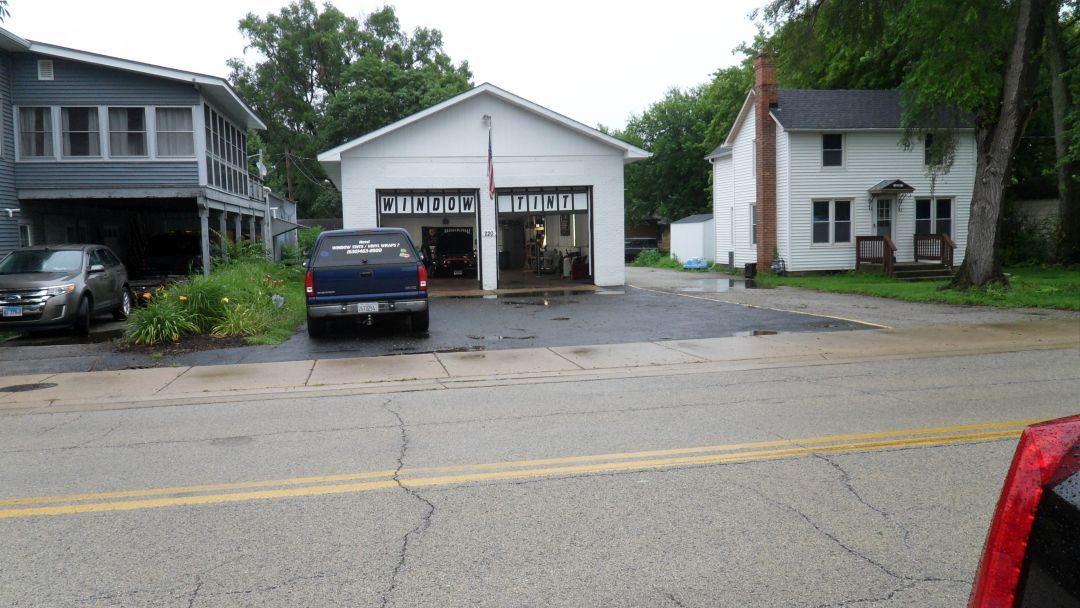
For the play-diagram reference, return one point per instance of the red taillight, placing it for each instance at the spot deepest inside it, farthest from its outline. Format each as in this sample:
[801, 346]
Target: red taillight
[421, 275]
[1044, 457]
[309, 284]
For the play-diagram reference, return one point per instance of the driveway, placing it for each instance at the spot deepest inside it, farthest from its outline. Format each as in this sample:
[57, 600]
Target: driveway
[467, 324]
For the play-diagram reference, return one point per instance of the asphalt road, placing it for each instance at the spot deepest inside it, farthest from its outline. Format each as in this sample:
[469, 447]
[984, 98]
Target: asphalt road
[462, 324]
[497, 496]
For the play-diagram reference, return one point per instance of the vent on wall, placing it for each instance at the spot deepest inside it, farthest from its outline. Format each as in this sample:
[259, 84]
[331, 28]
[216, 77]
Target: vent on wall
[45, 69]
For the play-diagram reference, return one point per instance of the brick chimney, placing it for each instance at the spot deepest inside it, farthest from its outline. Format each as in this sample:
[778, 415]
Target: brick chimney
[765, 97]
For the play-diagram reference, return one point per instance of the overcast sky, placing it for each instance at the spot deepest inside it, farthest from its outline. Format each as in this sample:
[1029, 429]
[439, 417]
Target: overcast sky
[597, 62]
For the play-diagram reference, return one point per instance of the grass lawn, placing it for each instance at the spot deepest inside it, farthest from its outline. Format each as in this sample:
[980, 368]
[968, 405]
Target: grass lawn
[1029, 287]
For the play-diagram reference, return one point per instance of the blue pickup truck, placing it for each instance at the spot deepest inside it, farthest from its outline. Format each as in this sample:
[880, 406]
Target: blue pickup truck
[365, 274]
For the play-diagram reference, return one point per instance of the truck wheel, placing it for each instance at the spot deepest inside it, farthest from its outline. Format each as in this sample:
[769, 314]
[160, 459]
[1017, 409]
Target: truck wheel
[316, 328]
[81, 326]
[123, 309]
[419, 321]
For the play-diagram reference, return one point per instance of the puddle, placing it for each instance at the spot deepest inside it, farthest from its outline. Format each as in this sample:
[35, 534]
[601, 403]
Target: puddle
[22, 388]
[461, 349]
[501, 337]
[400, 349]
[718, 286]
[610, 292]
[756, 332]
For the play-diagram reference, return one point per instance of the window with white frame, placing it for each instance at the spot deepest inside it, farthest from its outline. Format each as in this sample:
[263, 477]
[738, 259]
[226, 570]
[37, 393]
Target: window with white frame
[35, 132]
[933, 216]
[26, 238]
[175, 132]
[81, 136]
[831, 221]
[127, 132]
[832, 149]
[226, 154]
[753, 224]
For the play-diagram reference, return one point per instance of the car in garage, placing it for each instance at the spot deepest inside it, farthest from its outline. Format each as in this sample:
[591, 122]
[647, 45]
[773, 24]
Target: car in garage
[61, 286]
[1032, 553]
[454, 255]
[365, 275]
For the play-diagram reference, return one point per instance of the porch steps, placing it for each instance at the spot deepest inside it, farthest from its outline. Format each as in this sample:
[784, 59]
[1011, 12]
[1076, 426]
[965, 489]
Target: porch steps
[922, 272]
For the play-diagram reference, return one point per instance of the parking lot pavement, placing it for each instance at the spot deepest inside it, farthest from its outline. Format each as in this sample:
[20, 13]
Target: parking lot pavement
[468, 324]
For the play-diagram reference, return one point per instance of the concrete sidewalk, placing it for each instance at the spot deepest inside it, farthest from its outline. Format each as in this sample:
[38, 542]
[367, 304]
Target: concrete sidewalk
[221, 383]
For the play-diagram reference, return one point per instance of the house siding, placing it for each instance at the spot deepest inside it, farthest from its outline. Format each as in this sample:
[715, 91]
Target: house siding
[723, 199]
[103, 174]
[745, 191]
[783, 212]
[78, 83]
[9, 227]
[869, 157]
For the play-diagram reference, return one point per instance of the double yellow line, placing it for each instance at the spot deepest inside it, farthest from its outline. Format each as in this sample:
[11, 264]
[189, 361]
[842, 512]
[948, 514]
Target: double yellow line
[515, 470]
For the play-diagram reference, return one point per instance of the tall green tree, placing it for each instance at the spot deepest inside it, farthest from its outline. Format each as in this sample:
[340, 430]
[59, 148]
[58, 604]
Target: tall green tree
[319, 77]
[977, 56]
[680, 130]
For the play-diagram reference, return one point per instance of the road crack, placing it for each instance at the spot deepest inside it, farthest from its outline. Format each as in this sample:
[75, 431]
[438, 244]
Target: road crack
[194, 594]
[845, 480]
[412, 535]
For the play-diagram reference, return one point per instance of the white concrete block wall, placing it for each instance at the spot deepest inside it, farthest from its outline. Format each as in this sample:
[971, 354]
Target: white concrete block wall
[449, 150]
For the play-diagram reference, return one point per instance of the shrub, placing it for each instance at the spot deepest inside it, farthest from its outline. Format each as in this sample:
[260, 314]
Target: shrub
[1024, 240]
[242, 319]
[305, 239]
[653, 258]
[159, 321]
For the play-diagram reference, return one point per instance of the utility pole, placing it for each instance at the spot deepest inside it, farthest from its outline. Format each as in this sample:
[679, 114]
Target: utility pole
[288, 174]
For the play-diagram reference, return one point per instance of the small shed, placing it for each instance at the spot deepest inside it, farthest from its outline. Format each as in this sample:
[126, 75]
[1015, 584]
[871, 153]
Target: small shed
[694, 237]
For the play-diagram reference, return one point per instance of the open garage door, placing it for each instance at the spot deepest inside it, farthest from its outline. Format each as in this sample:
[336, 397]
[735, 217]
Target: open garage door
[545, 236]
[443, 225]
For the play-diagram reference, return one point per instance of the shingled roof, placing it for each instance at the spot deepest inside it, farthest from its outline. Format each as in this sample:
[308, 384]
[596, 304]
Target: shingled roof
[842, 109]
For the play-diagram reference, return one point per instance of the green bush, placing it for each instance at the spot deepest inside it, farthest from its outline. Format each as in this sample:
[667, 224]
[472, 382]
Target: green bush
[159, 321]
[305, 239]
[1023, 240]
[237, 299]
[653, 258]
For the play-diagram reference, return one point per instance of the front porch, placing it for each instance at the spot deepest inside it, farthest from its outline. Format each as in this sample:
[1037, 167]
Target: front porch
[933, 257]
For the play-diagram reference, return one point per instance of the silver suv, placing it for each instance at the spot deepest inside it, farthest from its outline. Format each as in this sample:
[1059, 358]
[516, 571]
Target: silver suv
[61, 286]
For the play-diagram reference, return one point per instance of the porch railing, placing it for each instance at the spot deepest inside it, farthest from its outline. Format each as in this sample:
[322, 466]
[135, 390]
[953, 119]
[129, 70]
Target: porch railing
[935, 247]
[875, 250]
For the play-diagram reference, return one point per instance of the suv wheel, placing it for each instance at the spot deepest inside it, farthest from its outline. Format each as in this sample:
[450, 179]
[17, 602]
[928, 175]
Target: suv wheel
[81, 326]
[316, 328]
[122, 310]
[419, 321]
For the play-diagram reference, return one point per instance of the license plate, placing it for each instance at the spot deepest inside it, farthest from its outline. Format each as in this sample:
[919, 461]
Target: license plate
[367, 307]
[458, 273]
[13, 311]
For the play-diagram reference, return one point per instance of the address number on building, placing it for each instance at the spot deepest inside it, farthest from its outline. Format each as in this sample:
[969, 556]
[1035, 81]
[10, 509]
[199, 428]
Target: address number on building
[489, 233]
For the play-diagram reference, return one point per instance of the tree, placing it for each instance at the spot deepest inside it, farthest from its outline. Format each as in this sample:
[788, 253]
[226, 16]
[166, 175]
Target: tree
[1062, 46]
[974, 56]
[680, 130]
[321, 78]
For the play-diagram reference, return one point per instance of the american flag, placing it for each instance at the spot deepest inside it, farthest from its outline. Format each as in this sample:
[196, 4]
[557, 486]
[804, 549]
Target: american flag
[490, 170]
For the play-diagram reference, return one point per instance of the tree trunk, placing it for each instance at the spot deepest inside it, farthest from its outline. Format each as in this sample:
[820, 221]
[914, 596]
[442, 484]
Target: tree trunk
[1067, 245]
[997, 142]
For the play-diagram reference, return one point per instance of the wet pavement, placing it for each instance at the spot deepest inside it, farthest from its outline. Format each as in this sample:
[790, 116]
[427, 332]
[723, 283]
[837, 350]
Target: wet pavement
[466, 324]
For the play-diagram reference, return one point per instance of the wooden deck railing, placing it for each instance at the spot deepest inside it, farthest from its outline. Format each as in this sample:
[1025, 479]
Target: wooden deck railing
[875, 250]
[935, 247]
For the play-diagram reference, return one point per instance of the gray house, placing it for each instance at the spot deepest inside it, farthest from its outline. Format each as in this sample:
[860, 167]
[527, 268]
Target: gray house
[105, 150]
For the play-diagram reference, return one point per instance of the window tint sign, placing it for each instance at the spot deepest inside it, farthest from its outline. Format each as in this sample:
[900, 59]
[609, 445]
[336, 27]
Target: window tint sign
[543, 202]
[352, 250]
[427, 203]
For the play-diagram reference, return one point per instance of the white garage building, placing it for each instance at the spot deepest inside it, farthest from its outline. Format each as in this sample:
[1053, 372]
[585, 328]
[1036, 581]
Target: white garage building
[558, 186]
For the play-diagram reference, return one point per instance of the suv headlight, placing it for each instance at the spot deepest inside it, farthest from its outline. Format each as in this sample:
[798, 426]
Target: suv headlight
[60, 290]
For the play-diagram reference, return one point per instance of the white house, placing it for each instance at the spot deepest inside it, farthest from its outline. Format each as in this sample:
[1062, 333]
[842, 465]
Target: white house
[823, 181]
[694, 236]
[558, 184]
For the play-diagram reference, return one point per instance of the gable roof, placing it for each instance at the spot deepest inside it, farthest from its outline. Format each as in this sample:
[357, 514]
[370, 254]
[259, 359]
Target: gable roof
[721, 150]
[631, 153]
[818, 110]
[216, 89]
[695, 219]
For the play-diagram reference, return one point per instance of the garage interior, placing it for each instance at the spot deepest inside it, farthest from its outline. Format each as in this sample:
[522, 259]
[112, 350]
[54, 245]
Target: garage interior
[544, 238]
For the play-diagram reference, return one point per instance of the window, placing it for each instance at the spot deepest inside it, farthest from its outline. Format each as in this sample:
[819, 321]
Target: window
[831, 222]
[832, 150]
[226, 154]
[127, 131]
[35, 132]
[928, 145]
[753, 224]
[933, 216]
[80, 132]
[175, 133]
[26, 238]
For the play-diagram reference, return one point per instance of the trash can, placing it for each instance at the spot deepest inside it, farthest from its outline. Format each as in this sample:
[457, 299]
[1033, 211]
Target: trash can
[750, 271]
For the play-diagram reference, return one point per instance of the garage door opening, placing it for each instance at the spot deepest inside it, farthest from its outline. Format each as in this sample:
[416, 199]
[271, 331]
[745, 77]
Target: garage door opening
[442, 225]
[544, 238]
